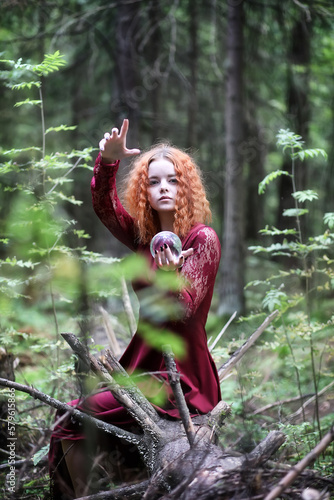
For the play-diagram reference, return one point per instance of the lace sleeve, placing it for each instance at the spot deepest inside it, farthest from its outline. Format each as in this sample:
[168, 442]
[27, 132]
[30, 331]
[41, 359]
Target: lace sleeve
[200, 270]
[107, 205]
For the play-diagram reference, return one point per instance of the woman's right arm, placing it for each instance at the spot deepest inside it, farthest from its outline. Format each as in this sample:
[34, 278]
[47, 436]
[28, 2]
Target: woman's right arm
[105, 199]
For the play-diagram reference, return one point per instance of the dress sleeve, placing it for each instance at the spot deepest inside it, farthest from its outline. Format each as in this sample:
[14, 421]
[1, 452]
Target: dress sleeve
[108, 207]
[200, 270]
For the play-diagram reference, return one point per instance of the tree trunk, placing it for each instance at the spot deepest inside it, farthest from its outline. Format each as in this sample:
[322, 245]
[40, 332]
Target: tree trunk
[232, 294]
[193, 62]
[129, 90]
[298, 113]
[254, 154]
[152, 76]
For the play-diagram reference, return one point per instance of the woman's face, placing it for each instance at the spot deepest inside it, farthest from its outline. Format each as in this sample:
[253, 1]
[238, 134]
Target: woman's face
[162, 185]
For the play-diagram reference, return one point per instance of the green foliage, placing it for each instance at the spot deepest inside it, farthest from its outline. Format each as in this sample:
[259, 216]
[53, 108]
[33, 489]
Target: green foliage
[306, 195]
[47, 272]
[269, 178]
[296, 352]
[329, 219]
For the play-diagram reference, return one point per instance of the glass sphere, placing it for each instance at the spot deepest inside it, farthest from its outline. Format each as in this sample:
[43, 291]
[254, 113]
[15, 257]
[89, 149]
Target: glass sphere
[168, 238]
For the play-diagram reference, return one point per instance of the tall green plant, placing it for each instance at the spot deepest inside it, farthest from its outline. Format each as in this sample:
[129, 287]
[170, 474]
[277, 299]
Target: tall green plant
[42, 247]
[311, 273]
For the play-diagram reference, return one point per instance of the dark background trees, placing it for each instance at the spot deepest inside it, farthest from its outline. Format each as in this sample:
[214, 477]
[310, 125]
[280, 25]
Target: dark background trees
[165, 66]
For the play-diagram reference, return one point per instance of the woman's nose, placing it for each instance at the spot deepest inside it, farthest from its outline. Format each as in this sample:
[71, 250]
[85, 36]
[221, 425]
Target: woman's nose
[163, 186]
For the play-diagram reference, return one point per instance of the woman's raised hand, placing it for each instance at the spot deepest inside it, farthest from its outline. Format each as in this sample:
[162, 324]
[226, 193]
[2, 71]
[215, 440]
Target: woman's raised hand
[113, 146]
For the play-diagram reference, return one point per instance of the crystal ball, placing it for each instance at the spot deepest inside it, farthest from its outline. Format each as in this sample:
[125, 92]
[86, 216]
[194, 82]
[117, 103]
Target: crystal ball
[168, 238]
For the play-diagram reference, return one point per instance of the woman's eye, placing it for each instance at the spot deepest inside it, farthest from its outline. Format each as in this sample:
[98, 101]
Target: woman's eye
[173, 181]
[152, 183]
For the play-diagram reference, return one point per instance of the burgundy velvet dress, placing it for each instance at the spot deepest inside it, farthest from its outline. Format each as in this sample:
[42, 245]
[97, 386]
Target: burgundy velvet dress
[199, 377]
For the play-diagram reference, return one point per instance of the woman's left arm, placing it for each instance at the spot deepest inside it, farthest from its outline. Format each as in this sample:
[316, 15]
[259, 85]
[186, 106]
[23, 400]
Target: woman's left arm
[200, 269]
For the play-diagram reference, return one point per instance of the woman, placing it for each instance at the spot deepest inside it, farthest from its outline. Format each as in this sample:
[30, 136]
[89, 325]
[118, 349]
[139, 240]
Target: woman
[164, 193]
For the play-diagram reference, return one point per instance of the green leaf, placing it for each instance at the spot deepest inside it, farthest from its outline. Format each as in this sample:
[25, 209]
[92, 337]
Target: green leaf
[80, 233]
[274, 249]
[25, 85]
[31, 102]
[60, 128]
[294, 212]
[277, 232]
[307, 195]
[270, 177]
[51, 63]
[310, 153]
[275, 299]
[329, 219]
[41, 454]
[94, 258]
[288, 139]
[18, 151]
[69, 199]
[20, 263]
[158, 338]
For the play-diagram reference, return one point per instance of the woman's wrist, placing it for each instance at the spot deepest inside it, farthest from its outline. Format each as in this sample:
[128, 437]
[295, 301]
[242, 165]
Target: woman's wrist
[107, 161]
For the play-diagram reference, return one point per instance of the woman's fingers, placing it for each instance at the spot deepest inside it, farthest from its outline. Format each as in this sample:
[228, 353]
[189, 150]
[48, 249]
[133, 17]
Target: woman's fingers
[187, 253]
[165, 259]
[124, 128]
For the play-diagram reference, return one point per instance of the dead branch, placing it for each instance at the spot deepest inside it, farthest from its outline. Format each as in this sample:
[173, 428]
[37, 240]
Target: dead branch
[127, 307]
[300, 466]
[174, 380]
[280, 403]
[225, 369]
[309, 401]
[264, 450]
[77, 414]
[131, 492]
[222, 331]
[113, 342]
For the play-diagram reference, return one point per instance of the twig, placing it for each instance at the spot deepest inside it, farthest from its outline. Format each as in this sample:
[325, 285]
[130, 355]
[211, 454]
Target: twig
[174, 381]
[279, 403]
[132, 492]
[127, 307]
[113, 342]
[77, 414]
[237, 355]
[223, 330]
[300, 466]
[309, 401]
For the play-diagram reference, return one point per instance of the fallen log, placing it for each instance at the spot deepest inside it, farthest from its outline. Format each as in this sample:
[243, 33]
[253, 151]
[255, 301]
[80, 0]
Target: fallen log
[183, 457]
[180, 450]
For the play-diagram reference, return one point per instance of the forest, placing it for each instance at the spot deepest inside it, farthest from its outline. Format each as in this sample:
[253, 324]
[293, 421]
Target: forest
[245, 86]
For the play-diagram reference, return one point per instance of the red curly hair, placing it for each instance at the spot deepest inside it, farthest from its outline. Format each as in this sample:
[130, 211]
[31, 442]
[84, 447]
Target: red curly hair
[191, 206]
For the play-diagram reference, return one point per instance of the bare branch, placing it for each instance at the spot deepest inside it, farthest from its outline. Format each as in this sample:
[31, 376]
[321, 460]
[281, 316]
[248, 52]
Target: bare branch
[113, 342]
[132, 492]
[222, 331]
[309, 401]
[280, 403]
[174, 381]
[128, 308]
[77, 414]
[300, 466]
[225, 369]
